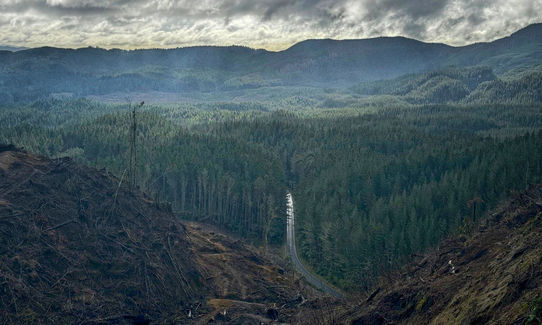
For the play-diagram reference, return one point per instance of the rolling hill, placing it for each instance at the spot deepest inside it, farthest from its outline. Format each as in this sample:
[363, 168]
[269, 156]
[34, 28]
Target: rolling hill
[38, 72]
[470, 85]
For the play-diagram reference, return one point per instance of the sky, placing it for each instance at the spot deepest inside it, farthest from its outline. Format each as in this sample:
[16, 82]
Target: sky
[269, 24]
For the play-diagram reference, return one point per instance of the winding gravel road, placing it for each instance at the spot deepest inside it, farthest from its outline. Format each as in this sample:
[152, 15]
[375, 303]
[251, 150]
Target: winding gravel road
[292, 251]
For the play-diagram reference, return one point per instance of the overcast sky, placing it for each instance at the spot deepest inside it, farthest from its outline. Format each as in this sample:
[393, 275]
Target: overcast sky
[270, 24]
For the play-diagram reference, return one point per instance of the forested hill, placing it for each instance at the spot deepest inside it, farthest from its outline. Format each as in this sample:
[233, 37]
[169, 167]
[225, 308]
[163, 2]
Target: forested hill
[491, 275]
[38, 72]
[471, 85]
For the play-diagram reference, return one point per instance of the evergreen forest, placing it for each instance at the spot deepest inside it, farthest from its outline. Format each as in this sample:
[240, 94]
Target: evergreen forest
[373, 183]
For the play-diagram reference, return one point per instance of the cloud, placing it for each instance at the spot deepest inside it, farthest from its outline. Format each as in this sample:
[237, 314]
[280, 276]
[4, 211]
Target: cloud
[273, 24]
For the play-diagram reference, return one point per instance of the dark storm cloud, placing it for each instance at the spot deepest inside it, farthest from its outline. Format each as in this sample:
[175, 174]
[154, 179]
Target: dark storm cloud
[265, 23]
[57, 8]
[414, 9]
[281, 9]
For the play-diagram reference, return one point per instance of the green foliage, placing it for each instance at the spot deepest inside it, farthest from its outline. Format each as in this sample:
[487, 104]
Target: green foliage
[372, 185]
[42, 72]
[225, 181]
[372, 188]
[525, 90]
[476, 85]
[469, 78]
[378, 171]
[535, 314]
[421, 303]
[448, 85]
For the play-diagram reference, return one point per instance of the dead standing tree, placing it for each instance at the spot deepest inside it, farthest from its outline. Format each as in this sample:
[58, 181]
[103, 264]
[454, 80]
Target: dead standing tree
[132, 163]
[473, 203]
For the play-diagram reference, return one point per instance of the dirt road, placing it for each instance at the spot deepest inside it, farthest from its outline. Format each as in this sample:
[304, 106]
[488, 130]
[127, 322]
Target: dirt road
[292, 251]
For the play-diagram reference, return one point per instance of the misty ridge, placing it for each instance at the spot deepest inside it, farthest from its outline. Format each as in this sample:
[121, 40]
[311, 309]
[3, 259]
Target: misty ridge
[316, 64]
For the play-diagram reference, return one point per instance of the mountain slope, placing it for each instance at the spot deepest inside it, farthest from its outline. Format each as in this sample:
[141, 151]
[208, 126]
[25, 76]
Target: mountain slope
[521, 49]
[526, 89]
[493, 276]
[439, 86]
[33, 73]
[78, 247]
[340, 63]
[471, 85]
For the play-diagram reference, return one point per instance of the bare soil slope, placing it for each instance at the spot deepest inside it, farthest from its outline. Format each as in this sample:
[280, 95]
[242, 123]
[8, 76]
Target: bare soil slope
[75, 247]
[493, 276]
[245, 287]
[78, 247]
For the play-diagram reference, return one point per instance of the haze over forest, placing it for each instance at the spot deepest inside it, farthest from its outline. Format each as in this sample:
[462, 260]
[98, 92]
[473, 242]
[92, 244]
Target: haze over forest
[353, 162]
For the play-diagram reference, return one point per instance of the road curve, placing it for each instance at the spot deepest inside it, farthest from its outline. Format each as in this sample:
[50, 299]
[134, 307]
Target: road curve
[292, 251]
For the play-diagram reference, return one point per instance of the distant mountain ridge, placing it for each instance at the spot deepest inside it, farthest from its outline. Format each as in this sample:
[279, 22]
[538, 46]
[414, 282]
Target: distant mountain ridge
[323, 63]
[12, 48]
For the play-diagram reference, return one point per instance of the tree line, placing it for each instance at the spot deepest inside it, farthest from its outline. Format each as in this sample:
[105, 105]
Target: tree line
[371, 186]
